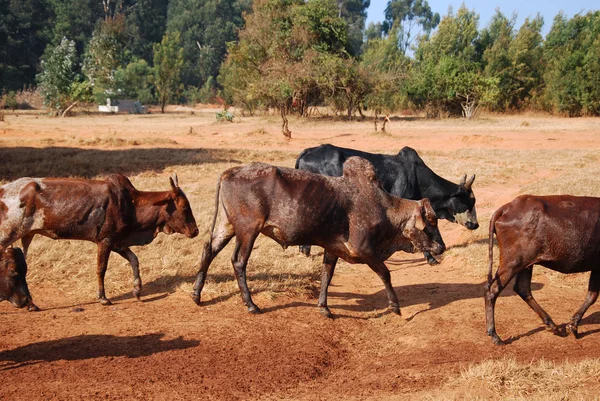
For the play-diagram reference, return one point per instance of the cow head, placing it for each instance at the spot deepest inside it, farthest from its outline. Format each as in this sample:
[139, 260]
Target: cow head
[13, 286]
[460, 207]
[176, 213]
[422, 229]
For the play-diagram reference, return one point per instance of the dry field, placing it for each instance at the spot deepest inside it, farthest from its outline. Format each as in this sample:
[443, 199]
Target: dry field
[167, 348]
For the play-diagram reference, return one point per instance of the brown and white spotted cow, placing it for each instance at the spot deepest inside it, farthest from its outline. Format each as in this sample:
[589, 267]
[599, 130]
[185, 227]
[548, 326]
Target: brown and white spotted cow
[110, 213]
[352, 217]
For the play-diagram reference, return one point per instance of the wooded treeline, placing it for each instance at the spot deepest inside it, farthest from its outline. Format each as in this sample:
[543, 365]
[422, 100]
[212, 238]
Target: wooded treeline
[293, 55]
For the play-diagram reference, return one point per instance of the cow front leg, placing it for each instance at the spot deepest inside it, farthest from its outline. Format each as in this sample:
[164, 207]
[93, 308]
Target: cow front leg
[243, 248]
[103, 254]
[25, 242]
[329, 262]
[592, 295]
[305, 249]
[127, 254]
[430, 259]
[523, 289]
[382, 271]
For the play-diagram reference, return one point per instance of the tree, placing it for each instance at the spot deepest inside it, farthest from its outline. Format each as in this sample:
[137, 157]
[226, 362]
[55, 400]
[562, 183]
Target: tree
[405, 16]
[168, 64]
[24, 34]
[60, 85]
[354, 12]
[146, 25]
[133, 81]
[206, 26]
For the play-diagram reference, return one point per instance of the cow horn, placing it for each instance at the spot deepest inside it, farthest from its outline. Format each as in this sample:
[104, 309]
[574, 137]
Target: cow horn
[174, 181]
[470, 182]
[463, 180]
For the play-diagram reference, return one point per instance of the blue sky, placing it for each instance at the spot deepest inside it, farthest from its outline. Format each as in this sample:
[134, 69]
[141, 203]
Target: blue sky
[524, 8]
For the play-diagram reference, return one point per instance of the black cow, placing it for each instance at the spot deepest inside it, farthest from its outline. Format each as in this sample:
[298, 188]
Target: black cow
[404, 175]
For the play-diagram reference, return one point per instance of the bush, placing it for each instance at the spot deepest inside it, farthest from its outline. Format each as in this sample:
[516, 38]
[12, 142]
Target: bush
[10, 101]
[224, 116]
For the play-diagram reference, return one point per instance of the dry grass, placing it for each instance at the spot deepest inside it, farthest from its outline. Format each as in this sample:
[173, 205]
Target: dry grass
[508, 379]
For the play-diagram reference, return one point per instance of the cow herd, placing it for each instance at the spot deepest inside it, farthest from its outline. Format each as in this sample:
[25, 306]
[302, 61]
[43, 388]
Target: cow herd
[357, 206]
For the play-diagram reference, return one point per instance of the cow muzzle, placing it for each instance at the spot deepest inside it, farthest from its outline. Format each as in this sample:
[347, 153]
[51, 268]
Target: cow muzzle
[437, 248]
[467, 219]
[192, 233]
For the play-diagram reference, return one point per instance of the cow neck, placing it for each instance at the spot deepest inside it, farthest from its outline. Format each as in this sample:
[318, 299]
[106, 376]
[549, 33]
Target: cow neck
[147, 213]
[434, 187]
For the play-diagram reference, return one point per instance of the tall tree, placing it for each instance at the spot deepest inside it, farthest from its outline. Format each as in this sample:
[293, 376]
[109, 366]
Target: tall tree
[409, 18]
[206, 26]
[146, 25]
[24, 34]
[354, 12]
[168, 64]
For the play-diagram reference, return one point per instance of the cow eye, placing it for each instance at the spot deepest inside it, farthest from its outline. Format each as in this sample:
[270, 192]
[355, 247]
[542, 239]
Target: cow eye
[13, 273]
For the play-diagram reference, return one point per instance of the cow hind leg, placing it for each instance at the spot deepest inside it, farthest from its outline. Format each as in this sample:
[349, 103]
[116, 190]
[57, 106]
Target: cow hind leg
[210, 251]
[523, 289]
[383, 273]
[127, 254]
[329, 262]
[243, 249]
[592, 295]
[491, 293]
[103, 254]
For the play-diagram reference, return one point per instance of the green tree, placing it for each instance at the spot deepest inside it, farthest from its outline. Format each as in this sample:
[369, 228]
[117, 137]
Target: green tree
[146, 25]
[406, 16]
[24, 34]
[60, 85]
[133, 81]
[168, 64]
[206, 26]
[354, 12]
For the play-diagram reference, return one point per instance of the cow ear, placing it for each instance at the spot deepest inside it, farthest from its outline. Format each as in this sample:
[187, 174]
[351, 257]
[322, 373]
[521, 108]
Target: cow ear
[463, 180]
[428, 212]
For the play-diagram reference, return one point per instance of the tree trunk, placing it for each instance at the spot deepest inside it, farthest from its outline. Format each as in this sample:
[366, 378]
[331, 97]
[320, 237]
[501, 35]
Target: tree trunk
[163, 103]
[284, 127]
[68, 109]
[375, 121]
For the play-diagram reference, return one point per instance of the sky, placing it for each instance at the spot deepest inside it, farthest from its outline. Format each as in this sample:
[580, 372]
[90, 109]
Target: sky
[486, 9]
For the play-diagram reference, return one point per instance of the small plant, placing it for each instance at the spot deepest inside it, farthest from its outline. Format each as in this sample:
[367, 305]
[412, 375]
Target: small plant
[224, 116]
[10, 101]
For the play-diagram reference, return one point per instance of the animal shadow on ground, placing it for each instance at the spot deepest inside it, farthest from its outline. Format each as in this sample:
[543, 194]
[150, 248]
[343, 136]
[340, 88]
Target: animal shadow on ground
[20, 162]
[89, 347]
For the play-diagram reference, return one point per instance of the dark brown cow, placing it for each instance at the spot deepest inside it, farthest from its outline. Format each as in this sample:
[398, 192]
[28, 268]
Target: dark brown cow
[559, 232]
[351, 217]
[110, 213]
[13, 285]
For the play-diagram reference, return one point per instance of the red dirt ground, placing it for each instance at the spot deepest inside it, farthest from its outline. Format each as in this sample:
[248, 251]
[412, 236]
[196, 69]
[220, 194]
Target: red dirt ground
[167, 348]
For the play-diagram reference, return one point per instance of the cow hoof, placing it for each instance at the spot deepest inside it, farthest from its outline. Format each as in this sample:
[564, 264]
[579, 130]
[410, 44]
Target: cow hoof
[196, 298]
[496, 340]
[105, 302]
[33, 308]
[325, 312]
[552, 328]
[255, 310]
[572, 330]
[137, 293]
[433, 261]
[396, 310]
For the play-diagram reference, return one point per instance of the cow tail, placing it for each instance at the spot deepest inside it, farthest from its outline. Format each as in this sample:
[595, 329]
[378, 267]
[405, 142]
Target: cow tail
[495, 217]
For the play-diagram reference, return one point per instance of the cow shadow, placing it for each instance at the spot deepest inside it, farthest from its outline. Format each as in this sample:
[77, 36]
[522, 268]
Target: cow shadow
[19, 162]
[89, 347]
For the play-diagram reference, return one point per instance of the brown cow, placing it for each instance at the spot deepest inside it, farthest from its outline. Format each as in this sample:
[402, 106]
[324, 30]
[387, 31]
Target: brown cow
[13, 285]
[110, 213]
[351, 217]
[559, 232]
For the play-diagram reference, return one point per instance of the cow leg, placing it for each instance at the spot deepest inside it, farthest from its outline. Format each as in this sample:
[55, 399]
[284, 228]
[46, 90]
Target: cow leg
[211, 250]
[127, 254]
[25, 242]
[243, 248]
[430, 259]
[382, 271]
[103, 254]
[491, 292]
[329, 262]
[523, 288]
[592, 295]
[305, 249]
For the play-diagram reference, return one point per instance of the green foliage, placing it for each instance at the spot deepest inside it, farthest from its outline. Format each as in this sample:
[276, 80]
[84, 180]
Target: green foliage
[206, 26]
[146, 25]
[405, 16]
[168, 64]
[58, 82]
[572, 65]
[205, 94]
[224, 116]
[133, 81]
[10, 100]
[354, 14]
